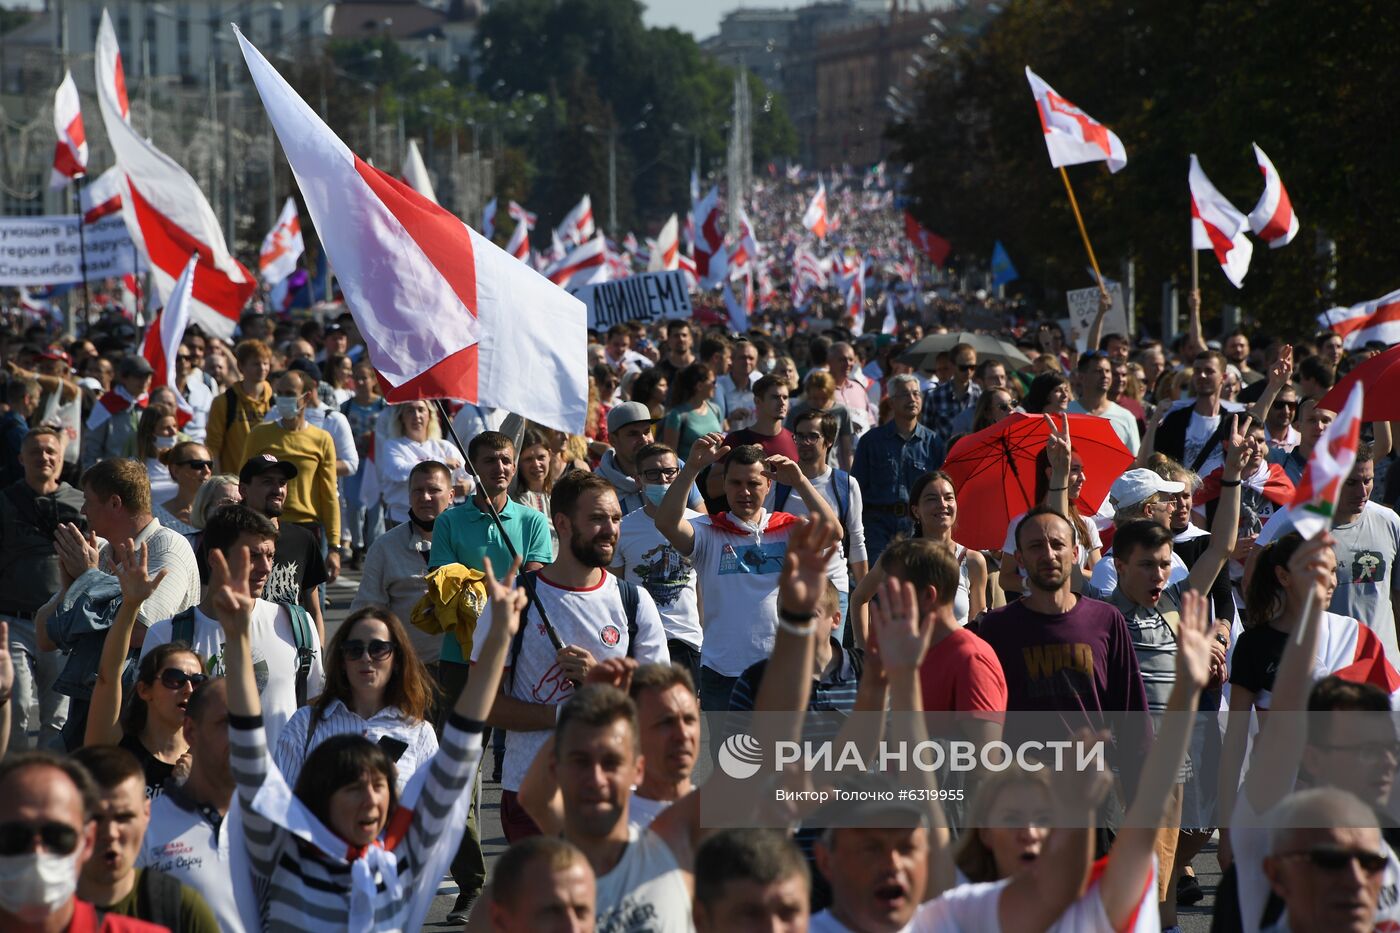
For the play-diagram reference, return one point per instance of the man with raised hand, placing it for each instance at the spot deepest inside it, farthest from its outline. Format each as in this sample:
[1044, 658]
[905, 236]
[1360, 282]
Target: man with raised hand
[738, 556]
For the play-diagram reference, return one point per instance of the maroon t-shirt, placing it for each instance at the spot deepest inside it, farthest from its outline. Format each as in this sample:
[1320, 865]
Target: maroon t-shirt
[1079, 662]
[780, 443]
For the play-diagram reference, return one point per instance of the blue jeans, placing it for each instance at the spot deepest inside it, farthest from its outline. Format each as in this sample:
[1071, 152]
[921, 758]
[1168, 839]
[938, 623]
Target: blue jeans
[880, 530]
[362, 525]
[715, 689]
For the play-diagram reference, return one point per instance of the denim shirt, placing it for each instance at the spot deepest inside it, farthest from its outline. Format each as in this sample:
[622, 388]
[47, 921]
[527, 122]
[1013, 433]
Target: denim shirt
[886, 465]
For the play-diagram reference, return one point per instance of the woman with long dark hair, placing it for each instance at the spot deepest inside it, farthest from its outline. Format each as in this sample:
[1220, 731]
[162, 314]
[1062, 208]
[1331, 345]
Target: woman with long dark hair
[693, 412]
[151, 726]
[375, 687]
[1049, 394]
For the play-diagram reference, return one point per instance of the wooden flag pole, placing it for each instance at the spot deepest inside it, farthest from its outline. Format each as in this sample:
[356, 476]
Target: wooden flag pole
[1082, 232]
[1195, 267]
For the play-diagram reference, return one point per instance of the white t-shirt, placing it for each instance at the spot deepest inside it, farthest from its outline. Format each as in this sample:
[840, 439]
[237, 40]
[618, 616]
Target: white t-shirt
[736, 402]
[182, 842]
[646, 558]
[201, 399]
[852, 549]
[593, 619]
[1124, 424]
[646, 889]
[642, 810]
[739, 585]
[968, 908]
[1198, 431]
[274, 659]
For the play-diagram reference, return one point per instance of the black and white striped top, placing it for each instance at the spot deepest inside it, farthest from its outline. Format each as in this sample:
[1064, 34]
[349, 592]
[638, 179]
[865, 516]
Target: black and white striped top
[300, 888]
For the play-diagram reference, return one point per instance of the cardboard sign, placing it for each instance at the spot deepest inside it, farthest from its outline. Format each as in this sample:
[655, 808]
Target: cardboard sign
[45, 250]
[646, 298]
[1084, 307]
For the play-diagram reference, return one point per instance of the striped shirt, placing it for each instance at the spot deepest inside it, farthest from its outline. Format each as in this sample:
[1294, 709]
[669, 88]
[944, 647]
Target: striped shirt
[300, 889]
[294, 744]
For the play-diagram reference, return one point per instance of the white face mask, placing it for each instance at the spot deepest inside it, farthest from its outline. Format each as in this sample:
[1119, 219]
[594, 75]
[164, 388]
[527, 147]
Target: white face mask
[33, 885]
[165, 443]
[287, 406]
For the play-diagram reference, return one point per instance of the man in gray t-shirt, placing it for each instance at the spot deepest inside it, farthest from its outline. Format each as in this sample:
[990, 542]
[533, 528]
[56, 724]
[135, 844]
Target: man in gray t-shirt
[1367, 549]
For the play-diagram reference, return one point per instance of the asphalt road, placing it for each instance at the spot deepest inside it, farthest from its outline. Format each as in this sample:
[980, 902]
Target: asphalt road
[1194, 919]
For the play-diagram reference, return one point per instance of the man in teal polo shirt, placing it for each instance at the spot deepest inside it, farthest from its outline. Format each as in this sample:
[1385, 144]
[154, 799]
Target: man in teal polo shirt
[464, 535]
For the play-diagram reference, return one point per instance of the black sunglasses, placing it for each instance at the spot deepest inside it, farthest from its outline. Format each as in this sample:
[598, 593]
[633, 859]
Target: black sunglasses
[378, 649]
[17, 838]
[172, 678]
[661, 475]
[1372, 863]
[197, 464]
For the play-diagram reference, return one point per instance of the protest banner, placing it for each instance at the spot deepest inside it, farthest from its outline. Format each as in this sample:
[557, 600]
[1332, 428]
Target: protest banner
[1084, 305]
[645, 298]
[45, 250]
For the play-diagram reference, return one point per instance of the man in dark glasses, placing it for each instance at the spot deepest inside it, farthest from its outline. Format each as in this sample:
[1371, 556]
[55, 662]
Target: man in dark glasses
[47, 832]
[1326, 863]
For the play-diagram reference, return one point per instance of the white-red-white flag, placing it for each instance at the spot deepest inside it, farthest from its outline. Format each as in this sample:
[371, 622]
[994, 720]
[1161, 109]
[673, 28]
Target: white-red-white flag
[1071, 135]
[578, 226]
[1272, 219]
[166, 332]
[519, 245]
[166, 214]
[415, 172]
[711, 261]
[444, 313]
[855, 294]
[667, 252]
[1362, 323]
[747, 238]
[1218, 225]
[585, 265]
[520, 215]
[1334, 455]
[687, 266]
[738, 315]
[282, 246]
[101, 196]
[814, 218]
[70, 152]
[488, 219]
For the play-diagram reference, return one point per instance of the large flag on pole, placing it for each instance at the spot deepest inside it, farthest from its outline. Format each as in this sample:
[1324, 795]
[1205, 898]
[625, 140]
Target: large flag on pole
[444, 312]
[1333, 456]
[1378, 319]
[814, 218]
[711, 261]
[166, 332]
[1218, 225]
[70, 152]
[520, 215]
[584, 265]
[166, 214]
[282, 246]
[578, 226]
[1071, 135]
[1272, 219]
[415, 172]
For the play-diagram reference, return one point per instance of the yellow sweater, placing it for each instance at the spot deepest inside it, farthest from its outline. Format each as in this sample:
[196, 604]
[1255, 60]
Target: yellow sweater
[227, 439]
[311, 497]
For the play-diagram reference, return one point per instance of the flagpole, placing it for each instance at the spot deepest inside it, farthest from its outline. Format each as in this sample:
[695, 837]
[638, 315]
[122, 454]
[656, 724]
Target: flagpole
[82, 249]
[1195, 267]
[1082, 232]
[496, 519]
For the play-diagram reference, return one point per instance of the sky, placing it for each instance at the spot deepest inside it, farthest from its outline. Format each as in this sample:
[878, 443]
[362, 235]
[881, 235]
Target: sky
[701, 17]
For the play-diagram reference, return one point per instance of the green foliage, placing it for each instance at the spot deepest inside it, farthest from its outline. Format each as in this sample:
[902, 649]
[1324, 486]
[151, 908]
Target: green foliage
[611, 73]
[1307, 82]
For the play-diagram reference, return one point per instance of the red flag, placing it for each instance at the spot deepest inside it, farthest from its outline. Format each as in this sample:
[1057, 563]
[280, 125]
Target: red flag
[930, 244]
[70, 153]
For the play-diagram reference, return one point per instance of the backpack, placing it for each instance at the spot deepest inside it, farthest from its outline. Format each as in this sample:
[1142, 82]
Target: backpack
[182, 629]
[781, 494]
[230, 408]
[631, 600]
[162, 894]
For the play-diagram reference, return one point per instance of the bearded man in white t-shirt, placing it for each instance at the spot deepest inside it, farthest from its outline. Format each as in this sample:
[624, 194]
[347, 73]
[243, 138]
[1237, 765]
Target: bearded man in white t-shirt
[585, 620]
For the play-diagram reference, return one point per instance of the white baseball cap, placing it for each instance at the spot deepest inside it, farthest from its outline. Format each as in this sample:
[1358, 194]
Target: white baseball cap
[1139, 485]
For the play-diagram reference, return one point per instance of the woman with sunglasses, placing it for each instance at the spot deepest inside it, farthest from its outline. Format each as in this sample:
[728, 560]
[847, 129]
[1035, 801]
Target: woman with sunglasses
[152, 725]
[375, 687]
[190, 465]
[342, 849]
[993, 406]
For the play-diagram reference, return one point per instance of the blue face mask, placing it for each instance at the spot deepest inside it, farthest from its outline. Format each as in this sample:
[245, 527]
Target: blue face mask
[655, 492]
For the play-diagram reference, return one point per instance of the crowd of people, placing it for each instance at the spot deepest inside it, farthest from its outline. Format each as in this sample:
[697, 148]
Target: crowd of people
[775, 521]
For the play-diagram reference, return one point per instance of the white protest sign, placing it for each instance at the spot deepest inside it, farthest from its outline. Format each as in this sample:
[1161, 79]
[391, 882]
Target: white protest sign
[1084, 306]
[45, 250]
[644, 298]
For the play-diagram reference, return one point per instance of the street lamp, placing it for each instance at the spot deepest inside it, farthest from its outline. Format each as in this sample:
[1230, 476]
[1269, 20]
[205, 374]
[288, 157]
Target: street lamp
[612, 133]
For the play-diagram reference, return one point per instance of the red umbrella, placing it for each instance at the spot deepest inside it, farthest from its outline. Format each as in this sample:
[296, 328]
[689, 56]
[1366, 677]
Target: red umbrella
[994, 472]
[1381, 377]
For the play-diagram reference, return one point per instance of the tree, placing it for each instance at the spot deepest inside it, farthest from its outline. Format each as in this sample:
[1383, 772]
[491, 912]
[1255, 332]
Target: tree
[1171, 78]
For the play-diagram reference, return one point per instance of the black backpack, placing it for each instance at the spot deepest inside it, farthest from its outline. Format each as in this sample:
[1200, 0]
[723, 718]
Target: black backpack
[631, 600]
